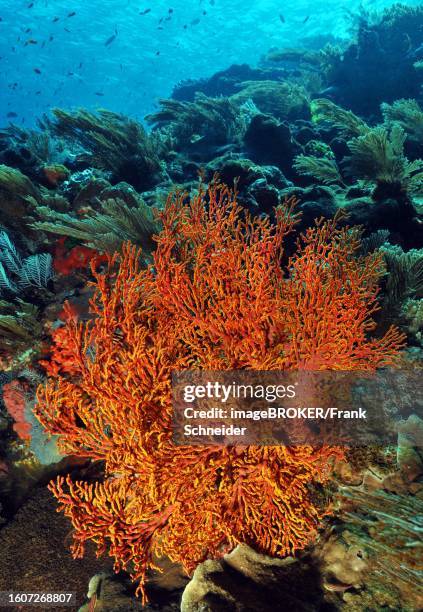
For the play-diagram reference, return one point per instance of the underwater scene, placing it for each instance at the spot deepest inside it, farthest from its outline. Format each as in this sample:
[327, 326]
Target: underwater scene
[211, 305]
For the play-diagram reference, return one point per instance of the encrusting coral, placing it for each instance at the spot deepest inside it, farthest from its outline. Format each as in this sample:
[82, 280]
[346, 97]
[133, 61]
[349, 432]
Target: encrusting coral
[219, 295]
[55, 173]
[14, 400]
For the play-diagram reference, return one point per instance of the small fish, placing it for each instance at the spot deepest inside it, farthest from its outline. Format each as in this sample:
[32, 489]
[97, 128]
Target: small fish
[170, 11]
[204, 12]
[282, 18]
[28, 30]
[145, 12]
[37, 70]
[56, 19]
[72, 14]
[67, 30]
[157, 52]
[306, 19]
[31, 41]
[195, 22]
[11, 115]
[337, 588]
[51, 38]
[99, 93]
[408, 41]
[37, 93]
[30, 5]
[415, 53]
[110, 40]
[225, 148]
[328, 92]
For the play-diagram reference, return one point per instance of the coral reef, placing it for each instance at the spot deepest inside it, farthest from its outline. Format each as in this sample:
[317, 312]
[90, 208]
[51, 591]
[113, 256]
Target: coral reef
[403, 290]
[345, 121]
[245, 580]
[25, 285]
[378, 156]
[386, 45]
[201, 124]
[406, 113]
[104, 230]
[56, 173]
[285, 101]
[78, 257]
[108, 284]
[171, 316]
[271, 142]
[388, 548]
[226, 82]
[17, 274]
[412, 311]
[19, 327]
[323, 169]
[15, 183]
[113, 142]
[29, 146]
[14, 400]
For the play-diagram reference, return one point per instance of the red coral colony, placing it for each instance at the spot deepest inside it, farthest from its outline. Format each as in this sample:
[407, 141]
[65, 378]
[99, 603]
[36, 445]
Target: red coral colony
[216, 296]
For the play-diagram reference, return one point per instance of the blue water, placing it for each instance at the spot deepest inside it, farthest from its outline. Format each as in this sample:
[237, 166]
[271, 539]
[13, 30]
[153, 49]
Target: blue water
[50, 57]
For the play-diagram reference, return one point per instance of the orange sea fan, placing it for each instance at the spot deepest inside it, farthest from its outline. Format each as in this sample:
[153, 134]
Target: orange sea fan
[219, 294]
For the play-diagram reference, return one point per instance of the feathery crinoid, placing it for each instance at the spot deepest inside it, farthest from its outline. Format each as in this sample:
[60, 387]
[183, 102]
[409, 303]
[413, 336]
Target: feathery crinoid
[16, 273]
[220, 294]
